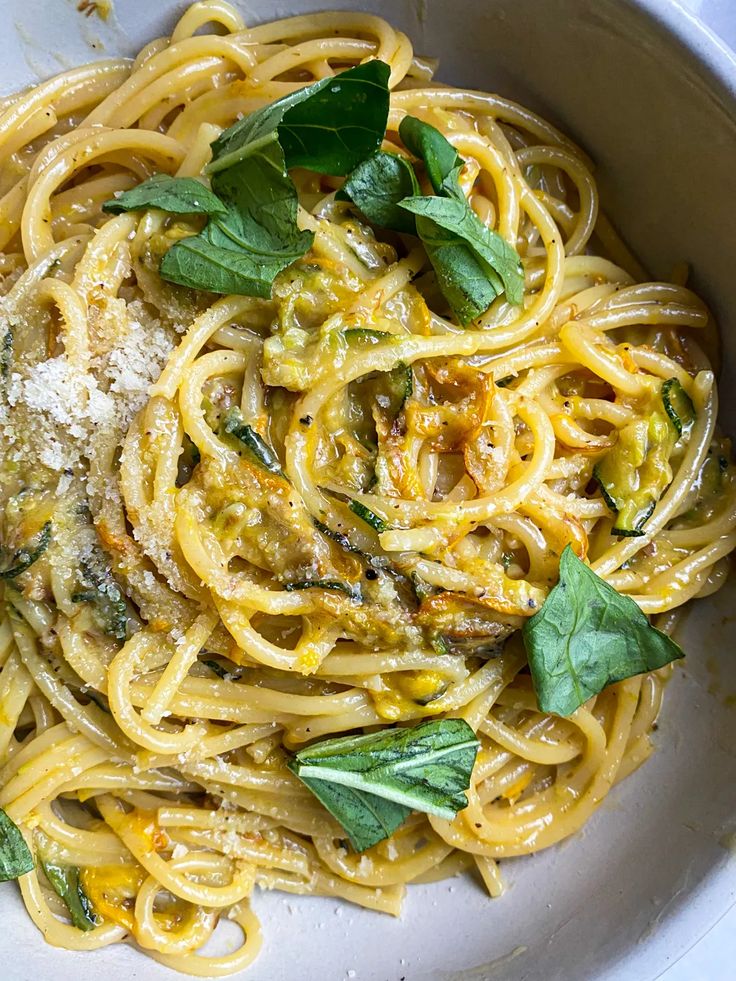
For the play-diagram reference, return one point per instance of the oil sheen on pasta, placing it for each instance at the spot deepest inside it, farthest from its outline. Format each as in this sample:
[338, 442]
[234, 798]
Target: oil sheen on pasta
[156, 766]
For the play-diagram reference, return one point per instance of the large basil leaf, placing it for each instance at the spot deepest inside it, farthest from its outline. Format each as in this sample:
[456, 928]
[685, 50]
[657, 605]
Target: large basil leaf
[179, 195]
[588, 636]
[15, 856]
[370, 783]
[328, 127]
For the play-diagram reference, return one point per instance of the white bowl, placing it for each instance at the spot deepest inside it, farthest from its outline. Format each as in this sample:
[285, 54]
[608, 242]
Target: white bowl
[652, 97]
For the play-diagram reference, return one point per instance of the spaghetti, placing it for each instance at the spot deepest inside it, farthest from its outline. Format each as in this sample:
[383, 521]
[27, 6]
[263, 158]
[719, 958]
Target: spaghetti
[179, 619]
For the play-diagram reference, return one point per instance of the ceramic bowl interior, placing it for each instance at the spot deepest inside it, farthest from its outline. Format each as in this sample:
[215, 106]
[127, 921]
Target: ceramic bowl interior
[651, 97]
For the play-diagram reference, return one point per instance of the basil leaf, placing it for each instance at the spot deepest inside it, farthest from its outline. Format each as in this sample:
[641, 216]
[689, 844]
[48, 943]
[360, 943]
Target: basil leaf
[366, 818]
[180, 195]
[262, 207]
[15, 856]
[473, 264]
[455, 217]
[424, 768]
[243, 250]
[210, 262]
[424, 141]
[328, 127]
[65, 882]
[377, 185]
[461, 276]
[588, 636]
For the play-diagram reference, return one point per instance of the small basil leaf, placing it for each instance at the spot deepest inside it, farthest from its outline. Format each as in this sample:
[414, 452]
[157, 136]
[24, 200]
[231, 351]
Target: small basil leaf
[65, 882]
[328, 127]
[377, 185]
[588, 636]
[366, 818]
[179, 195]
[461, 277]
[424, 768]
[424, 141]
[455, 217]
[15, 856]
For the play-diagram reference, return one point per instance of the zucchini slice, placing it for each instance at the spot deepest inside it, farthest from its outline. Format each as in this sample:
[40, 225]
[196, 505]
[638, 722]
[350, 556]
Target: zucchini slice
[334, 584]
[25, 557]
[678, 406]
[634, 474]
[370, 517]
[258, 448]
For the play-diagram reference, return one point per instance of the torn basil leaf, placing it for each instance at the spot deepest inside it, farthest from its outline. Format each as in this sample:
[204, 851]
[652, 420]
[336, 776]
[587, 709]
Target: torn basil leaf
[15, 856]
[232, 255]
[179, 195]
[64, 880]
[376, 187]
[588, 636]
[371, 783]
[461, 276]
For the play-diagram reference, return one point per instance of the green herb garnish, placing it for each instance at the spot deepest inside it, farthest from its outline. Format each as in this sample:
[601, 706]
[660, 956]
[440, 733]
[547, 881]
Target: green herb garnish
[473, 264]
[179, 195]
[459, 223]
[439, 156]
[328, 127]
[65, 882]
[588, 636]
[252, 232]
[377, 185]
[15, 856]
[371, 783]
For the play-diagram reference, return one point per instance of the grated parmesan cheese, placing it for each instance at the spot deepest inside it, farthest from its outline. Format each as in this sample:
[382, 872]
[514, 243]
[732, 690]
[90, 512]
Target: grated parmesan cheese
[56, 413]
